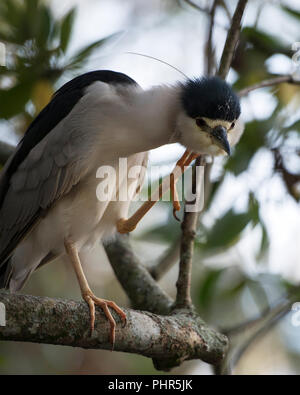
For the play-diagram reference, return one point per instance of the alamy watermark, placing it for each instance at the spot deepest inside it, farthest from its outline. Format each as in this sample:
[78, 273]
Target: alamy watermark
[2, 314]
[122, 183]
[296, 55]
[2, 54]
[295, 320]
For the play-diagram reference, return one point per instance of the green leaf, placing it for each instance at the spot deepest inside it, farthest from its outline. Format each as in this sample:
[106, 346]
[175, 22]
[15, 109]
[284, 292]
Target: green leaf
[253, 209]
[13, 101]
[264, 244]
[226, 231]
[85, 52]
[252, 140]
[264, 42]
[44, 26]
[66, 29]
[208, 287]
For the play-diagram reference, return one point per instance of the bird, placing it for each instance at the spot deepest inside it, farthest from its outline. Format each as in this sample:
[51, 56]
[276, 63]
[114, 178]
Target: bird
[48, 201]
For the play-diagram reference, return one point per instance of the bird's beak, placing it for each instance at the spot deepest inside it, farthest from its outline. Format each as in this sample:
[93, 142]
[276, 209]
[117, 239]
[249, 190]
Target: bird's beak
[219, 135]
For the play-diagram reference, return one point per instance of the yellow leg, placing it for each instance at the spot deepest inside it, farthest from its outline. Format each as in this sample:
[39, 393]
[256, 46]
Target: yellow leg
[182, 163]
[128, 225]
[88, 295]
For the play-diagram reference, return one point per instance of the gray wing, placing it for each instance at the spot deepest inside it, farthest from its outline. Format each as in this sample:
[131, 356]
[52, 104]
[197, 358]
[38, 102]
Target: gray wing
[49, 171]
[49, 161]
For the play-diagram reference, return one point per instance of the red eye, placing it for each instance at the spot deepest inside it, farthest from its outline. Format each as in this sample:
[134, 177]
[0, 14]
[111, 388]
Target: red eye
[200, 122]
[232, 125]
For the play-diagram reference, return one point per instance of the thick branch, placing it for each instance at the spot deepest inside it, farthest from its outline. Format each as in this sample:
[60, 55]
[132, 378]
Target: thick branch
[232, 39]
[136, 280]
[168, 339]
[269, 82]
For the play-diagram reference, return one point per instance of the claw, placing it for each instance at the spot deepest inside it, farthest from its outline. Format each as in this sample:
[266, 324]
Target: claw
[175, 215]
[92, 300]
[128, 225]
[174, 195]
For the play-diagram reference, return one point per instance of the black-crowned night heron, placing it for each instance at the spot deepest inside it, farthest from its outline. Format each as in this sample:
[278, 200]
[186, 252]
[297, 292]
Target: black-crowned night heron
[48, 202]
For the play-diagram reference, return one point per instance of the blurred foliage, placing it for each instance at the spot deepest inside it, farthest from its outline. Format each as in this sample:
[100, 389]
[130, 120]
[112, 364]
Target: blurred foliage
[273, 133]
[255, 48]
[37, 56]
[222, 289]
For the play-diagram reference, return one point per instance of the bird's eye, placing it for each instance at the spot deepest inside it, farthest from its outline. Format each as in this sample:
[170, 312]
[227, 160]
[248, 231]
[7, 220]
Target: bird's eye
[200, 122]
[232, 125]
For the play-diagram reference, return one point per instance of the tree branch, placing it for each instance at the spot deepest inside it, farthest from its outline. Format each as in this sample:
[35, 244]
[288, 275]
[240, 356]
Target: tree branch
[171, 257]
[135, 279]
[189, 225]
[196, 6]
[210, 52]
[232, 39]
[170, 340]
[269, 82]
[253, 330]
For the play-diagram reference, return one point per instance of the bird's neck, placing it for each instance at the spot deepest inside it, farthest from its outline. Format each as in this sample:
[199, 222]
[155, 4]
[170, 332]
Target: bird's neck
[155, 115]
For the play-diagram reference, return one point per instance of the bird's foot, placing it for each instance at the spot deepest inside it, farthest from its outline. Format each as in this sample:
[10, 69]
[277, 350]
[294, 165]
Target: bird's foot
[92, 300]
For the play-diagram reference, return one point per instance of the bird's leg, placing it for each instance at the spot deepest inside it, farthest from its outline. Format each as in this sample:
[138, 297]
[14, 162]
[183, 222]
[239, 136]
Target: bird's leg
[174, 195]
[183, 162]
[128, 225]
[88, 295]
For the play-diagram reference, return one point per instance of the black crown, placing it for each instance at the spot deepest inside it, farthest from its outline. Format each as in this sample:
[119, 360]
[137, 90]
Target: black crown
[210, 97]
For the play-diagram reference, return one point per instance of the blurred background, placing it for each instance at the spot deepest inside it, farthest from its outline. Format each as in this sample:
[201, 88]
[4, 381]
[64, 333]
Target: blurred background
[248, 242]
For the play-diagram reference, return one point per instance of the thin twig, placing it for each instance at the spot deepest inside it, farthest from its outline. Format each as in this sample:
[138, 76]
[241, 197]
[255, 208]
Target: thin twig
[172, 256]
[250, 323]
[275, 316]
[255, 328]
[183, 298]
[189, 224]
[166, 262]
[205, 10]
[232, 39]
[196, 6]
[227, 12]
[269, 82]
[210, 53]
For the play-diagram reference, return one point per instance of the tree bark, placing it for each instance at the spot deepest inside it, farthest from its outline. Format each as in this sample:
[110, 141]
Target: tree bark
[169, 340]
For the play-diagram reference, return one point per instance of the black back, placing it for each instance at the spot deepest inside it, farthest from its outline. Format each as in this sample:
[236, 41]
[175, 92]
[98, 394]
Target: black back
[59, 107]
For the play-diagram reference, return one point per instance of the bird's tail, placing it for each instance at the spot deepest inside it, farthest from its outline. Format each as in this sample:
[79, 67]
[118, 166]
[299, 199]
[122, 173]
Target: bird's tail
[15, 283]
